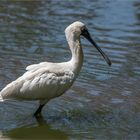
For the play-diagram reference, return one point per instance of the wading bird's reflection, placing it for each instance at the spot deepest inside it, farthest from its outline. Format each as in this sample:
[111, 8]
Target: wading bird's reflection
[41, 131]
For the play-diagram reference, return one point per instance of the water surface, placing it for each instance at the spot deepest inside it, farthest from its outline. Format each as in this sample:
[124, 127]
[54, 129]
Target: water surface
[103, 103]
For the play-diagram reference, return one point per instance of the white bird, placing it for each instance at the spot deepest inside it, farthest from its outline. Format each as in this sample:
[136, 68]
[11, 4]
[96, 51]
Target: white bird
[46, 80]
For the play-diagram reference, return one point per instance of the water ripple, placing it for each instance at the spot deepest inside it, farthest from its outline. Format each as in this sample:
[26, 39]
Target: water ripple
[102, 97]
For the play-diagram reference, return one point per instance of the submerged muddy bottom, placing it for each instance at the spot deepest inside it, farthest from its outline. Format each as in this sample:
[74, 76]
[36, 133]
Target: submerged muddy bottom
[103, 103]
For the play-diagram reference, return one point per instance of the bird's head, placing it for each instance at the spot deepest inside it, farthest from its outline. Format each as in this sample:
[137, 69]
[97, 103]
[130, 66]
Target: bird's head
[79, 29]
[75, 28]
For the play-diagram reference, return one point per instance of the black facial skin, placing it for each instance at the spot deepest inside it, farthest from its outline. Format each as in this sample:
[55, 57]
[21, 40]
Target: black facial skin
[86, 34]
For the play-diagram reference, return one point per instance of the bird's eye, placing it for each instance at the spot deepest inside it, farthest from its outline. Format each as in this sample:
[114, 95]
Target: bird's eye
[83, 28]
[85, 32]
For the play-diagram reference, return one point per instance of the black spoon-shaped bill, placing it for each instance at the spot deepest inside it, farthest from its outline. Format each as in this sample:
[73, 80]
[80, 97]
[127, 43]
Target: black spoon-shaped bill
[86, 34]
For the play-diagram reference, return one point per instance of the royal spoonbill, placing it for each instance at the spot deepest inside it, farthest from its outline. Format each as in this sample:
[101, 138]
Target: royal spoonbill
[47, 80]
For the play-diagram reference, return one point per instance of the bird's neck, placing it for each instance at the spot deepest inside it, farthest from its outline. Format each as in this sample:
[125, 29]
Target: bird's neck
[77, 52]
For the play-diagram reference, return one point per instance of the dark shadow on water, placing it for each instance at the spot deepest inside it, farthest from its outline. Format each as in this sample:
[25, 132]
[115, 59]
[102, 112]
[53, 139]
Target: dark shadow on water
[41, 131]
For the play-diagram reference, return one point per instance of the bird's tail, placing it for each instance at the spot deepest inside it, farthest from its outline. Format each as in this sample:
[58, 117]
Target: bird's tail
[1, 99]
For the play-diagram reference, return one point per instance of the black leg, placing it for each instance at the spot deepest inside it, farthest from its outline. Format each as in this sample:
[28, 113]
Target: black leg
[38, 111]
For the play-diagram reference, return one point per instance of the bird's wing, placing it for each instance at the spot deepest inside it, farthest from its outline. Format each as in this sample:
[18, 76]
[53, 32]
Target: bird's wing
[36, 66]
[36, 84]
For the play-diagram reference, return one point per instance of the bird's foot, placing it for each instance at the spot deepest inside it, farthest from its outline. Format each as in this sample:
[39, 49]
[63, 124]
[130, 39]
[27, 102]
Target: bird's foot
[39, 118]
[37, 115]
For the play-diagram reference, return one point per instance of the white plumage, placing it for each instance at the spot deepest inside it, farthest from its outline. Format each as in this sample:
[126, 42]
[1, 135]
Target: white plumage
[41, 82]
[47, 80]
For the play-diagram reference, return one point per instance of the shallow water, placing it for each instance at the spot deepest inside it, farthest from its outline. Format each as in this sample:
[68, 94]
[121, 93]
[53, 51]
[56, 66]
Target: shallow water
[103, 103]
